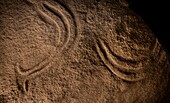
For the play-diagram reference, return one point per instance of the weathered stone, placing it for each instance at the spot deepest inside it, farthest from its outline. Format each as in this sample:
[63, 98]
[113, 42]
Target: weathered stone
[75, 51]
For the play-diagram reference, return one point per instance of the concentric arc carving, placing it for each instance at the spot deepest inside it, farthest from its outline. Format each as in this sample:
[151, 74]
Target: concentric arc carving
[127, 73]
[71, 28]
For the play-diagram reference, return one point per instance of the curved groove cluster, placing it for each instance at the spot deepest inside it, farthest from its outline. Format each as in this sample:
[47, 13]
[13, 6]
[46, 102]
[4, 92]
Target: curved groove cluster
[130, 69]
[126, 73]
[71, 38]
[159, 55]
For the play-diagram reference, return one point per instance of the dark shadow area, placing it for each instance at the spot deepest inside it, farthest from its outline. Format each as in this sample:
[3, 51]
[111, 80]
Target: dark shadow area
[155, 14]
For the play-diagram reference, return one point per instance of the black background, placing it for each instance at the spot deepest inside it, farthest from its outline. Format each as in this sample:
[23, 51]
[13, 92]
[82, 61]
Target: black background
[156, 15]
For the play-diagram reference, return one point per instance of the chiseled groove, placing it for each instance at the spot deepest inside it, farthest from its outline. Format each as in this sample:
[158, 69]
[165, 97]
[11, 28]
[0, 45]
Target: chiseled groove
[161, 57]
[38, 67]
[26, 85]
[116, 69]
[159, 54]
[63, 18]
[76, 24]
[156, 49]
[49, 20]
[46, 17]
[21, 84]
[121, 58]
[23, 76]
[127, 59]
[110, 57]
[135, 62]
[32, 70]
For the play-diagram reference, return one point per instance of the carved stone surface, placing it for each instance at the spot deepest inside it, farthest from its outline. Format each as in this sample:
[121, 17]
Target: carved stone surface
[74, 51]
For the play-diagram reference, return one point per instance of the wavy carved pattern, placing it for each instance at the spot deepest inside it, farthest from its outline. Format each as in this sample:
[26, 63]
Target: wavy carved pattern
[130, 69]
[112, 60]
[71, 29]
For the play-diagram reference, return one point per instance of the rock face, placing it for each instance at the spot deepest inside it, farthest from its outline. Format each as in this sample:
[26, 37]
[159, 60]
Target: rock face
[75, 51]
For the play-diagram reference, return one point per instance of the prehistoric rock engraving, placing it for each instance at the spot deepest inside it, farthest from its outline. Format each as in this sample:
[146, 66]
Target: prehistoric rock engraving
[158, 51]
[64, 20]
[66, 16]
[44, 57]
[71, 38]
[70, 25]
[156, 48]
[49, 20]
[23, 76]
[126, 73]
[160, 55]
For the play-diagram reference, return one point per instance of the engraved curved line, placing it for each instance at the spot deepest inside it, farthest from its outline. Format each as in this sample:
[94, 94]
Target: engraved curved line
[32, 70]
[38, 67]
[21, 84]
[63, 18]
[49, 20]
[110, 57]
[135, 62]
[158, 53]
[156, 48]
[24, 75]
[161, 56]
[76, 33]
[128, 75]
[131, 60]
[114, 71]
[127, 58]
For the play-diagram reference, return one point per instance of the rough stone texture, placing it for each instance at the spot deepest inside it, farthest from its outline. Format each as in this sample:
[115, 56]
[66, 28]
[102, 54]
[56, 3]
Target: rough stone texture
[78, 51]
